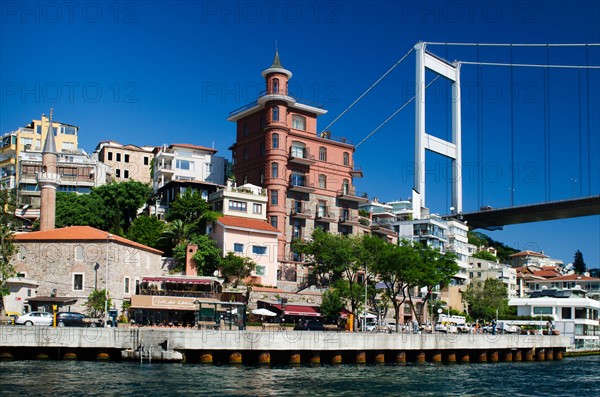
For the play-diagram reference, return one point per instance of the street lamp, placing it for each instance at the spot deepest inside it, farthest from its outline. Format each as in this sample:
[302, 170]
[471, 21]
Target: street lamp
[108, 237]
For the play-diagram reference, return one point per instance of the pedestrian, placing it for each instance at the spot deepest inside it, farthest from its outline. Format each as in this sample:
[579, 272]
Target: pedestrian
[494, 327]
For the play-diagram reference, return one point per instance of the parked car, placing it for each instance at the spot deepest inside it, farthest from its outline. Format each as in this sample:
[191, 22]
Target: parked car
[72, 319]
[311, 325]
[35, 318]
[503, 328]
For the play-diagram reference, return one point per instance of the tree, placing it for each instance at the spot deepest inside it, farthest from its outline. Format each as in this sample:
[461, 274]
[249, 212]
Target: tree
[578, 263]
[82, 210]
[488, 256]
[331, 305]
[147, 230]
[397, 269]
[7, 246]
[236, 267]
[436, 269]
[207, 258]
[95, 303]
[191, 209]
[124, 199]
[177, 232]
[486, 299]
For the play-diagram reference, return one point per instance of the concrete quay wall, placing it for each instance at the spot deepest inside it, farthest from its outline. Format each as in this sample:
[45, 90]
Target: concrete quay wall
[187, 339]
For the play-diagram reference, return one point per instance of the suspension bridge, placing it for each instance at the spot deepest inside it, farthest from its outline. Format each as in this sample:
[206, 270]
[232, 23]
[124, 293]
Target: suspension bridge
[431, 68]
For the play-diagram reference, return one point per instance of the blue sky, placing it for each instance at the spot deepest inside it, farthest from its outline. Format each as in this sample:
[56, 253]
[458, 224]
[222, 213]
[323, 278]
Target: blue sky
[152, 72]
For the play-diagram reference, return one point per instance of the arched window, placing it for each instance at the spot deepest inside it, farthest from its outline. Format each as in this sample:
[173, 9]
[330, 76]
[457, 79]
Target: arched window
[346, 158]
[323, 153]
[275, 113]
[275, 86]
[322, 181]
[275, 141]
[298, 150]
[274, 170]
[261, 176]
[346, 186]
[299, 122]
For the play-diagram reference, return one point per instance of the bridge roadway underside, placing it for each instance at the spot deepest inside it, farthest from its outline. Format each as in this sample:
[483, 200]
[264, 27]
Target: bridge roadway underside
[496, 218]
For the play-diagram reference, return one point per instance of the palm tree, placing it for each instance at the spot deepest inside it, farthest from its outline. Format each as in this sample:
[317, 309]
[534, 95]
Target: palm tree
[177, 232]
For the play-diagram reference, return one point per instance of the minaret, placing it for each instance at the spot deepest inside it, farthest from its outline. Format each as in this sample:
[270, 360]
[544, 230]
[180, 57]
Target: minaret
[48, 180]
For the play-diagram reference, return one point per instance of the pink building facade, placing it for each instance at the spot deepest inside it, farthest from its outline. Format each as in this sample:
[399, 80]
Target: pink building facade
[308, 175]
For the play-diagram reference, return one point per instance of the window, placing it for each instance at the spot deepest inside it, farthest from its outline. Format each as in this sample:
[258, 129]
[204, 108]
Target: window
[263, 121]
[238, 247]
[298, 122]
[184, 165]
[322, 209]
[298, 179]
[322, 154]
[275, 86]
[275, 141]
[68, 145]
[259, 250]
[245, 129]
[261, 176]
[297, 230]
[126, 158]
[274, 197]
[261, 148]
[79, 253]
[237, 205]
[126, 285]
[260, 270]
[125, 174]
[542, 310]
[273, 221]
[346, 186]
[146, 161]
[322, 182]
[110, 156]
[78, 282]
[245, 154]
[566, 313]
[257, 208]
[117, 173]
[209, 167]
[27, 141]
[275, 113]
[298, 150]
[118, 156]
[346, 158]
[274, 170]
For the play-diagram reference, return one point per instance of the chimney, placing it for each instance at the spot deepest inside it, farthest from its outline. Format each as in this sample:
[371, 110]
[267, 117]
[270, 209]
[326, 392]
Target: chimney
[190, 266]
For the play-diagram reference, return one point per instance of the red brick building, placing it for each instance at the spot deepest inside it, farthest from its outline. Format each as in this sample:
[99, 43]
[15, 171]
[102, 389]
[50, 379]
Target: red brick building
[308, 175]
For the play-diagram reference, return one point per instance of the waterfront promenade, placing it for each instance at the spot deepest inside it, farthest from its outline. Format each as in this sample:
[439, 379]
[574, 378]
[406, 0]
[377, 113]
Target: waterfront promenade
[262, 347]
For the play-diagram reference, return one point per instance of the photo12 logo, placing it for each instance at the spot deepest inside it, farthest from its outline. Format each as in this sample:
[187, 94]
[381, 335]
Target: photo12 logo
[70, 92]
[69, 12]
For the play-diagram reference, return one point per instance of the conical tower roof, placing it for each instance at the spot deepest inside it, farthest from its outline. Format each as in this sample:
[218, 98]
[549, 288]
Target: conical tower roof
[276, 67]
[49, 143]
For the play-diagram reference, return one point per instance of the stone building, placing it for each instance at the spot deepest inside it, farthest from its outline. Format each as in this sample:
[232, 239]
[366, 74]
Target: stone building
[128, 162]
[71, 262]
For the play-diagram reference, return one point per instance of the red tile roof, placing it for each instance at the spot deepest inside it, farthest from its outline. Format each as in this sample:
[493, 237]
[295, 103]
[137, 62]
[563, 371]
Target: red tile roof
[246, 223]
[79, 233]
[574, 277]
[529, 253]
[190, 146]
[546, 273]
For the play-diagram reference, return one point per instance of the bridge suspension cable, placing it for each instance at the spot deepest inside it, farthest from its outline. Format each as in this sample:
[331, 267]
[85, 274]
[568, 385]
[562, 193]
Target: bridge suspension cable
[368, 90]
[529, 65]
[516, 45]
[394, 114]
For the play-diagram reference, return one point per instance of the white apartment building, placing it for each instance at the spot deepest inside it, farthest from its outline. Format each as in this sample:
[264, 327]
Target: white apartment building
[186, 162]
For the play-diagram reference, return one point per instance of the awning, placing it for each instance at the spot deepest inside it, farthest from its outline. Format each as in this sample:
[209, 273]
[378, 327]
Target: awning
[65, 300]
[298, 310]
[181, 280]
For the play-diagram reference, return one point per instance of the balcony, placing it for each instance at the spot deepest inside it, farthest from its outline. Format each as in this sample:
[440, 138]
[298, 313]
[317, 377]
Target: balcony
[349, 193]
[49, 179]
[301, 157]
[349, 219]
[301, 185]
[356, 172]
[384, 228]
[325, 215]
[166, 169]
[300, 210]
